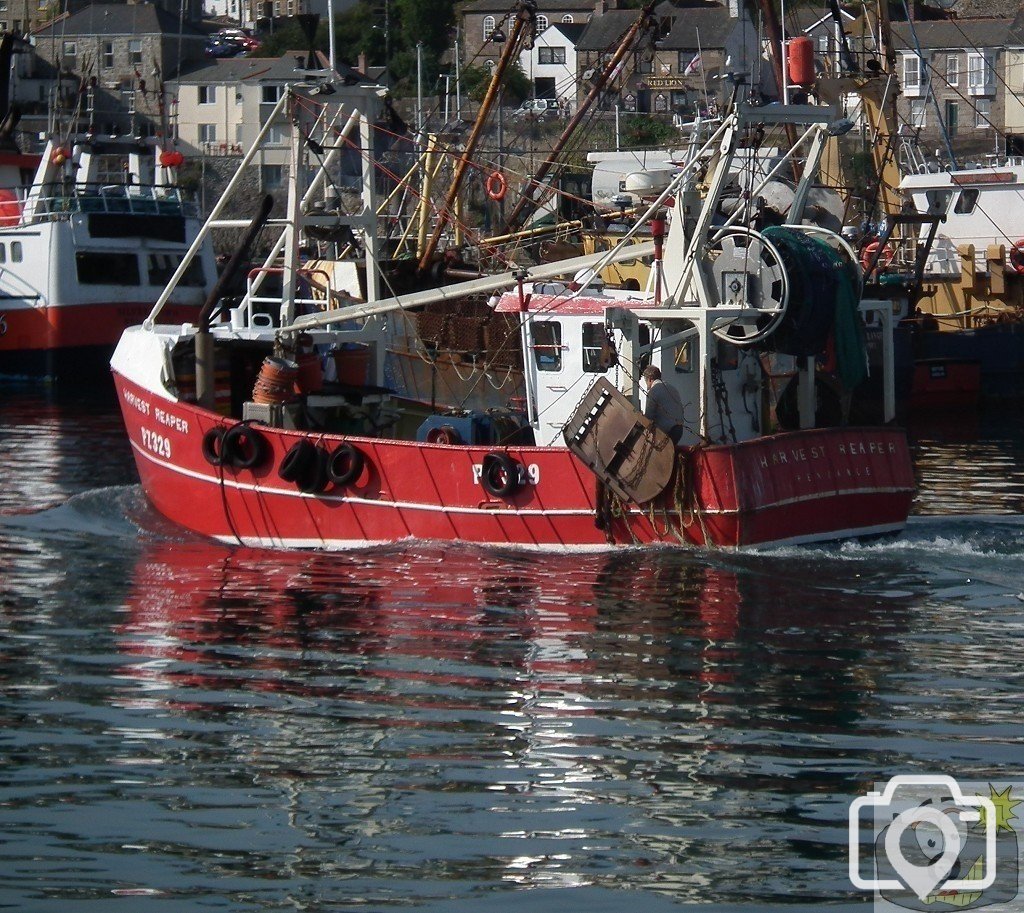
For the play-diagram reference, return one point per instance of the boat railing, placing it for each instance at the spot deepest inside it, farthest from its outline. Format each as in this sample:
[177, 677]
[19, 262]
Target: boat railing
[121, 199]
[313, 293]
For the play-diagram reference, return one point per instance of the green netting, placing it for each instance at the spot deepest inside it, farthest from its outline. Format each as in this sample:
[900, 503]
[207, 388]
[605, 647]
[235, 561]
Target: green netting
[823, 288]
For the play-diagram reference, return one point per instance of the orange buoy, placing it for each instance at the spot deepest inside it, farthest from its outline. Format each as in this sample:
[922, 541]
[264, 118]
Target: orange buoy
[60, 155]
[1017, 256]
[801, 61]
[496, 186]
[885, 257]
[171, 158]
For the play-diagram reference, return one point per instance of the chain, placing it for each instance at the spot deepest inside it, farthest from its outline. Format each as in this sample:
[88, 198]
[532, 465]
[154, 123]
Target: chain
[722, 398]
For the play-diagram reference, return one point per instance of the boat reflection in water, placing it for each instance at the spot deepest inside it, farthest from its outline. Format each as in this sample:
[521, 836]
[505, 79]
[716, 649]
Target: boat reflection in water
[471, 718]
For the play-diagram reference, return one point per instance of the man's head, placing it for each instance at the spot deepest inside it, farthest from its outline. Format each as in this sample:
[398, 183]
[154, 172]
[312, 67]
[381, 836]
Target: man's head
[651, 374]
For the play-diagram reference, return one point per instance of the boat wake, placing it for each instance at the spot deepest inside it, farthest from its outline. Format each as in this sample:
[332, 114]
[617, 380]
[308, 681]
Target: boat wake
[116, 512]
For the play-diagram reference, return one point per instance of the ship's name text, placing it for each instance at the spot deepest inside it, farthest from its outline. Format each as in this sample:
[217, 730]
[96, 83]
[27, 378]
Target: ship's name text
[847, 449]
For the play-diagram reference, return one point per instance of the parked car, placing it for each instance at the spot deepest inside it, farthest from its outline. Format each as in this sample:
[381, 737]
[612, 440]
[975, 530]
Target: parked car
[537, 107]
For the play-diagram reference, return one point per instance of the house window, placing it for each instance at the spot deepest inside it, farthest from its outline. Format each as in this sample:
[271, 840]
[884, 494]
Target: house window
[918, 113]
[567, 19]
[272, 176]
[207, 95]
[70, 51]
[547, 345]
[983, 114]
[271, 95]
[643, 64]
[660, 103]
[911, 72]
[207, 133]
[542, 23]
[128, 100]
[108, 54]
[823, 44]
[277, 135]
[135, 52]
[550, 55]
[953, 69]
[979, 74]
[489, 25]
[238, 133]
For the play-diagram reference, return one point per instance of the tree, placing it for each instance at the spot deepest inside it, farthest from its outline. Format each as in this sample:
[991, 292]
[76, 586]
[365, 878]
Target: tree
[475, 81]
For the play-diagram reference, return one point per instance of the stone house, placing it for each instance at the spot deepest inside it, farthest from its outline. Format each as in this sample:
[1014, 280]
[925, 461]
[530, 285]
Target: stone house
[109, 62]
[679, 73]
[481, 18]
[953, 75]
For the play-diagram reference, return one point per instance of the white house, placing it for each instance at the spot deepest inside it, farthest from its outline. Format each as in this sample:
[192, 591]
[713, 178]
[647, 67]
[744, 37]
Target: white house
[551, 63]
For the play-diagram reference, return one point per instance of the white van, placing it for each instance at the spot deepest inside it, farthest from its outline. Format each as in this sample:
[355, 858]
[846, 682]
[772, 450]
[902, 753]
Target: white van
[537, 107]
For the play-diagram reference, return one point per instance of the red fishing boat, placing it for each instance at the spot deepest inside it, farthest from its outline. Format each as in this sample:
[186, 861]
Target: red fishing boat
[239, 436]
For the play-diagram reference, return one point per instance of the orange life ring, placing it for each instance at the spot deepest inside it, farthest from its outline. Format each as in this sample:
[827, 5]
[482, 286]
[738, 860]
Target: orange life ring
[867, 254]
[1017, 256]
[496, 186]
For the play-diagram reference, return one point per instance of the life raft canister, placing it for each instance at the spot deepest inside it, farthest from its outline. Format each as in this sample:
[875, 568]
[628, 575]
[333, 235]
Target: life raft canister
[800, 58]
[867, 255]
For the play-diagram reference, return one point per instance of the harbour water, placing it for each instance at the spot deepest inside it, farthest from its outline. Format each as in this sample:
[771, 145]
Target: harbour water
[189, 726]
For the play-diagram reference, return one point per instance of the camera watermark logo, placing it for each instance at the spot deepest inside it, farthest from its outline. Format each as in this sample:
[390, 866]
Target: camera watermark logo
[937, 844]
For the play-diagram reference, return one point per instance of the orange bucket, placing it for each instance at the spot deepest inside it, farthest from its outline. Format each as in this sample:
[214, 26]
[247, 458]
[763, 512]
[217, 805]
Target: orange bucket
[310, 377]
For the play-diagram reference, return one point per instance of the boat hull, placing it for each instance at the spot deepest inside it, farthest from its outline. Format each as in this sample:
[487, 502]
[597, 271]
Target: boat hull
[60, 341]
[795, 487]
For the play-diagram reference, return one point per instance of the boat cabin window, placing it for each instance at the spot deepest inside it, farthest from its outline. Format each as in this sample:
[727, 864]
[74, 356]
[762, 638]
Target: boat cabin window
[938, 201]
[967, 201]
[162, 266]
[3, 253]
[547, 345]
[683, 359]
[728, 356]
[597, 351]
[107, 268]
[16, 252]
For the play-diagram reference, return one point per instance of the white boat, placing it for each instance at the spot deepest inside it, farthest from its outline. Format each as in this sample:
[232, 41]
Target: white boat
[85, 247]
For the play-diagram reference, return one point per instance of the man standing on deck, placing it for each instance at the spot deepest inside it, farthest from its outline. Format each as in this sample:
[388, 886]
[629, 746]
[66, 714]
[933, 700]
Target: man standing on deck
[664, 405]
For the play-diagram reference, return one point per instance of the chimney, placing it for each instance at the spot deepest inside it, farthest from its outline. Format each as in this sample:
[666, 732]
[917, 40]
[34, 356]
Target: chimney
[361, 62]
[600, 7]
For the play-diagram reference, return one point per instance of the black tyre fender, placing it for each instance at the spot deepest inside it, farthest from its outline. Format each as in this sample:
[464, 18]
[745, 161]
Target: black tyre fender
[243, 447]
[314, 479]
[296, 461]
[213, 446]
[501, 475]
[345, 464]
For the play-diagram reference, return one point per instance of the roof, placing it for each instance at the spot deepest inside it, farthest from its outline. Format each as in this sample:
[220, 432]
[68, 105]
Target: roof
[543, 6]
[571, 30]
[250, 69]
[701, 27]
[118, 19]
[706, 26]
[602, 32]
[954, 33]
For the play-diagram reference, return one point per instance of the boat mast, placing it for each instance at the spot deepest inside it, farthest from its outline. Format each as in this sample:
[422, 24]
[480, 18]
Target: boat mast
[522, 26]
[526, 203]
